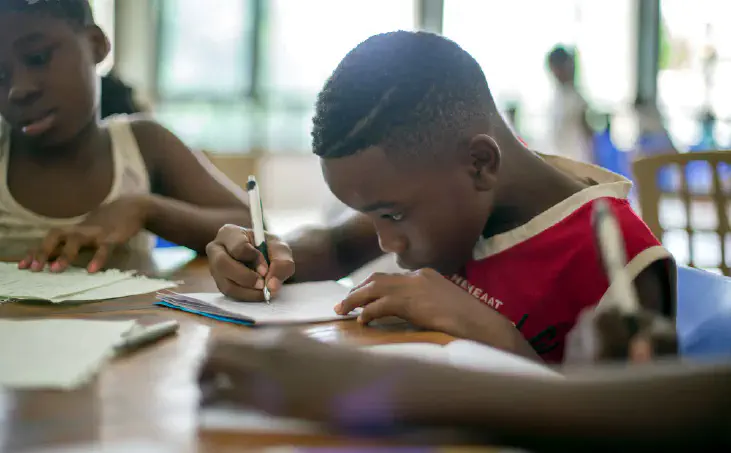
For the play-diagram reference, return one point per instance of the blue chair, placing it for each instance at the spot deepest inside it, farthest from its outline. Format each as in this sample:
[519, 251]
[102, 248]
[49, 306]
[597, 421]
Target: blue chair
[703, 318]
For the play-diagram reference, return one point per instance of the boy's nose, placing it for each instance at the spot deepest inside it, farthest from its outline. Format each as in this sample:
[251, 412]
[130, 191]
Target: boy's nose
[391, 242]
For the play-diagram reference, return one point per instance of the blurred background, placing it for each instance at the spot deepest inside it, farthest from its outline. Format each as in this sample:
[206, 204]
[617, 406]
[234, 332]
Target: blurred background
[238, 78]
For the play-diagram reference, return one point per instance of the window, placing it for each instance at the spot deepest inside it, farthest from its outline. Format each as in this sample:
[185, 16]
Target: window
[305, 40]
[511, 39]
[695, 65]
[218, 95]
[104, 16]
[303, 43]
[205, 49]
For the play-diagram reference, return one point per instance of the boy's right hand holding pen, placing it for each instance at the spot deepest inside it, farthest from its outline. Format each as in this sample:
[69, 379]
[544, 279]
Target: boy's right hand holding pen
[242, 272]
[250, 265]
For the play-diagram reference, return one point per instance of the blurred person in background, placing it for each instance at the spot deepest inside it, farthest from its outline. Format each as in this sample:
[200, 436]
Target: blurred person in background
[571, 134]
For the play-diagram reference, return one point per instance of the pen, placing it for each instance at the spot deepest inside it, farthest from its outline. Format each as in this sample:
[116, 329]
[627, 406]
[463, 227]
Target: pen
[257, 220]
[146, 335]
[612, 250]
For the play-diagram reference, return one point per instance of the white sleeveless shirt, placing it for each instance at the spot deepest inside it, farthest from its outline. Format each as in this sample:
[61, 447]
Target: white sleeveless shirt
[21, 228]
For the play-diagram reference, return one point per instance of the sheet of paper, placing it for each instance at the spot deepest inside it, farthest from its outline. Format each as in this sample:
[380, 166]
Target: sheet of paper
[249, 420]
[468, 355]
[296, 303]
[132, 286]
[56, 353]
[74, 284]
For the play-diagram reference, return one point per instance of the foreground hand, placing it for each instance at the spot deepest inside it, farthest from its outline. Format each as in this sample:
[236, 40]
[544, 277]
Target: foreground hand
[104, 229]
[286, 374]
[428, 300]
[655, 337]
[240, 270]
[606, 335]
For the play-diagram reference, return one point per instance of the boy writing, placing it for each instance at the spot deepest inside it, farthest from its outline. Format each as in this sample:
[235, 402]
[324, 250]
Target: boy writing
[71, 182]
[499, 239]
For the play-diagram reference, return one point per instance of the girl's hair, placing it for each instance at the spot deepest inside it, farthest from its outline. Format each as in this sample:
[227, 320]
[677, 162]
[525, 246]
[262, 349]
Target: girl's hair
[117, 97]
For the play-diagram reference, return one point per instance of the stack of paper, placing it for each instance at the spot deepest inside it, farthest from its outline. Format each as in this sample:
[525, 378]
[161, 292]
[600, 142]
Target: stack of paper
[293, 304]
[468, 355]
[73, 285]
[56, 353]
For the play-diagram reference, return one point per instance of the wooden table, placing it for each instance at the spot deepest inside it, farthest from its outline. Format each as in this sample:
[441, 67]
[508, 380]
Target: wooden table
[152, 395]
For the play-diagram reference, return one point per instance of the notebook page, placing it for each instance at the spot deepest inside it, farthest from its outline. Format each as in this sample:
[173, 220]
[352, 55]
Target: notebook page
[22, 284]
[131, 286]
[296, 303]
[429, 352]
[250, 420]
[468, 355]
[480, 357]
[56, 353]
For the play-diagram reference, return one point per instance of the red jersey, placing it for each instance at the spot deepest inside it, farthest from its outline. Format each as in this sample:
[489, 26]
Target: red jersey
[543, 274]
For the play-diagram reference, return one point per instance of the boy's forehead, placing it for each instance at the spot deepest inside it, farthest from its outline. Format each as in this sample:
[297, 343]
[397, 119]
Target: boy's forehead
[371, 177]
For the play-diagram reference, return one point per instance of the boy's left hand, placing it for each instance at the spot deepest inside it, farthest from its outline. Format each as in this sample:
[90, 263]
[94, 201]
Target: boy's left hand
[428, 300]
[107, 227]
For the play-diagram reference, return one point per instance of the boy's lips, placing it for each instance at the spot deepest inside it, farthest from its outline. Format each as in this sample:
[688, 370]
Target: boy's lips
[39, 125]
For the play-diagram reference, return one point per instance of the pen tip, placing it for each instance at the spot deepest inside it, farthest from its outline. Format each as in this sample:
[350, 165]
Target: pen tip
[267, 295]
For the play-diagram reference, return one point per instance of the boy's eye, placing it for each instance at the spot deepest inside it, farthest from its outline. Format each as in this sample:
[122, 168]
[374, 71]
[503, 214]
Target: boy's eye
[39, 58]
[394, 217]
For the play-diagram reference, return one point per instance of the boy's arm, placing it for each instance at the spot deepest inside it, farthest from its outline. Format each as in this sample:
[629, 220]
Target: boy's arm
[190, 199]
[614, 408]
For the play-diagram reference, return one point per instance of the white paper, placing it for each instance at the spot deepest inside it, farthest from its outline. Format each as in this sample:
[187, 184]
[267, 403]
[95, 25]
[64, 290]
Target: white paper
[468, 355]
[249, 420]
[56, 353]
[132, 286]
[74, 284]
[23, 284]
[296, 303]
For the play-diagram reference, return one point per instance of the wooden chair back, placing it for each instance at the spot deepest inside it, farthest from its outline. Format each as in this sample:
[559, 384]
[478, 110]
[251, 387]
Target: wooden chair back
[700, 182]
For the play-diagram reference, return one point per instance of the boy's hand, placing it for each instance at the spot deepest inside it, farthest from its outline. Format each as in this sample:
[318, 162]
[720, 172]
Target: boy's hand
[606, 335]
[240, 270]
[285, 373]
[649, 336]
[428, 300]
[107, 227]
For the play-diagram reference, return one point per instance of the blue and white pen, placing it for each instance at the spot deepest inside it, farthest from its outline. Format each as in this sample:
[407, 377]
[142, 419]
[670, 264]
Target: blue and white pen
[257, 221]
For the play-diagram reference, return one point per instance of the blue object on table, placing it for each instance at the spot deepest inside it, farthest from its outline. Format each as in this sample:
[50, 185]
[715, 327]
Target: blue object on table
[207, 315]
[161, 243]
[703, 319]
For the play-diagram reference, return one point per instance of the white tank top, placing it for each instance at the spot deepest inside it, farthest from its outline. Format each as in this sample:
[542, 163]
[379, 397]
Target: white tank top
[21, 228]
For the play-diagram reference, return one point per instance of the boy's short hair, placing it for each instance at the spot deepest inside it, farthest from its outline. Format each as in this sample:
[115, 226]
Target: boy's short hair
[77, 12]
[411, 91]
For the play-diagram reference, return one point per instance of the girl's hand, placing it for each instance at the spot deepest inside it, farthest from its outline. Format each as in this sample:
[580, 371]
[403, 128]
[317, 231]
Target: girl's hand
[104, 229]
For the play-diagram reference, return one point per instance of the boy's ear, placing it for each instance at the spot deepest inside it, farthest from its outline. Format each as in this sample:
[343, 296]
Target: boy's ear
[484, 155]
[100, 46]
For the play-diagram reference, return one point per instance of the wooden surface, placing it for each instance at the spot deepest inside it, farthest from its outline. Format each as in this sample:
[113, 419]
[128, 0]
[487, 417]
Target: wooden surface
[151, 396]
